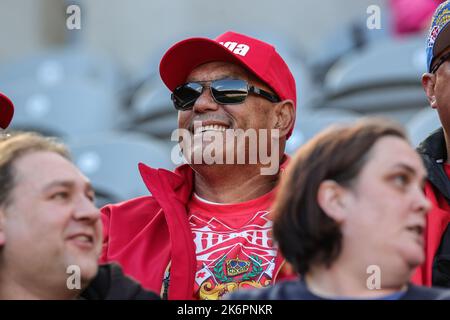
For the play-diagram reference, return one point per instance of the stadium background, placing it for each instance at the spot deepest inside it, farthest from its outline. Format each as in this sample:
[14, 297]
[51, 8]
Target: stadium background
[98, 88]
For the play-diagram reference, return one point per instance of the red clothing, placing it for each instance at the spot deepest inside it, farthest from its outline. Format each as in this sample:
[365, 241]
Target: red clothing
[234, 246]
[412, 16]
[437, 220]
[145, 234]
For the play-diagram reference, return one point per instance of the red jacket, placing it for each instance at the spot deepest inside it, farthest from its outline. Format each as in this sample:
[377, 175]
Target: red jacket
[433, 271]
[437, 221]
[145, 234]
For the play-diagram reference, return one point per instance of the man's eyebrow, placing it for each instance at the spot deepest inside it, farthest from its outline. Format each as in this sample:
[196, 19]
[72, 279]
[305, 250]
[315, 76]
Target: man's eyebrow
[232, 75]
[67, 184]
[60, 183]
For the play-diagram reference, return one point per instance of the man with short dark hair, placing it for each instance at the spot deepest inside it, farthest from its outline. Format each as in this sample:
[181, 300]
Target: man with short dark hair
[205, 230]
[435, 150]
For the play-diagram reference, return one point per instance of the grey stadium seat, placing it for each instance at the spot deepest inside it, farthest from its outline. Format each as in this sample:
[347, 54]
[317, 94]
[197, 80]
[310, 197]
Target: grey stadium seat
[383, 78]
[308, 124]
[65, 109]
[422, 124]
[111, 160]
[380, 63]
[152, 112]
[59, 65]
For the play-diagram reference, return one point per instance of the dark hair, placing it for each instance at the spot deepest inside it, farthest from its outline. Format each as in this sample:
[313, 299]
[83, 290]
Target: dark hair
[305, 234]
[15, 145]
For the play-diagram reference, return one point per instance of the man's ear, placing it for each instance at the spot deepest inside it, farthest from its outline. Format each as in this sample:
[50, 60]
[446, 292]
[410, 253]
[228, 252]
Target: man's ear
[428, 84]
[284, 116]
[2, 227]
[331, 197]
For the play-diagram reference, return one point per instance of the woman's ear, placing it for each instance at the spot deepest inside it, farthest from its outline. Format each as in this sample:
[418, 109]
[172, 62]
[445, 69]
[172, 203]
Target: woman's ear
[2, 227]
[332, 198]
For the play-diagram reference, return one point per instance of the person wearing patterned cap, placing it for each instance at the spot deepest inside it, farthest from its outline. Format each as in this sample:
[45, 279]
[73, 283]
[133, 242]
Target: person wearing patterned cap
[434, 150]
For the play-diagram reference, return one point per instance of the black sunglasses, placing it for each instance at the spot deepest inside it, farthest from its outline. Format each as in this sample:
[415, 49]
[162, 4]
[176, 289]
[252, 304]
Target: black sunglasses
[224, 91]
[441, 60]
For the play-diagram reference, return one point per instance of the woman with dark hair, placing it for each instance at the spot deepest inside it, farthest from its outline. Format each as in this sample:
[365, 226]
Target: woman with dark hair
[349, 216]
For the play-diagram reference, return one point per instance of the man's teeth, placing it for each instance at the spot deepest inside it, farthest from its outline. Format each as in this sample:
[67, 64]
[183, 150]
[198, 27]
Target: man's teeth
[84, 238]
[212, 127]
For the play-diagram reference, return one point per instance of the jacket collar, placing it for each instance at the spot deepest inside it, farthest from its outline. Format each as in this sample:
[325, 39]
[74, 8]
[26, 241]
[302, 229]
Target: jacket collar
[434, 152]
[434, 145]
[181, 181]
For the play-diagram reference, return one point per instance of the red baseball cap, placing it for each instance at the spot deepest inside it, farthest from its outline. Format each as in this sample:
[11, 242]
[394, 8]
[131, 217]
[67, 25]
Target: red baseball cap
[6, 111]
[257, 56]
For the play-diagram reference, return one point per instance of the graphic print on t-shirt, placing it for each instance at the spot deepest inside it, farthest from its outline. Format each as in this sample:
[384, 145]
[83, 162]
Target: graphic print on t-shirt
[232, 254]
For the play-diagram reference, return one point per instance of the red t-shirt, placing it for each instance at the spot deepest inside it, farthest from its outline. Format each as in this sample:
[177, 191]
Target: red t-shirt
[233, 244]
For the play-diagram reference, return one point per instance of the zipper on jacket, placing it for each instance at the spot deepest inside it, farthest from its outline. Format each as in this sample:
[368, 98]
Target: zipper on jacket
[165, 284]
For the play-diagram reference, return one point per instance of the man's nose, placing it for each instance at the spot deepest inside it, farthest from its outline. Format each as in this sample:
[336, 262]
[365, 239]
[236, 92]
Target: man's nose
[205, 102]
[86, 210]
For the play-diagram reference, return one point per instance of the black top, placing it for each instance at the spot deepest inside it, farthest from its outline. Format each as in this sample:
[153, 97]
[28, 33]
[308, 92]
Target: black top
[111, 284]
[434, 153]
[297, 290]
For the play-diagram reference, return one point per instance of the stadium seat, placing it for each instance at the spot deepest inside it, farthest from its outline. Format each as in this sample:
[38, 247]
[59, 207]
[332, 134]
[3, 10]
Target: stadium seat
[309, 123]
[307, 90]
[422, 124]
[55, 66]
[151, 111]
[382, 78]
[110, 160]
[351, 36]
[381, 63]
[67, 109]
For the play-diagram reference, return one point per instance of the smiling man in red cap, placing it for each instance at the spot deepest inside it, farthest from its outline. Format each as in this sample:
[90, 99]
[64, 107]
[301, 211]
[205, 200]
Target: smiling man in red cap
[206, 228]
[6, 111]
